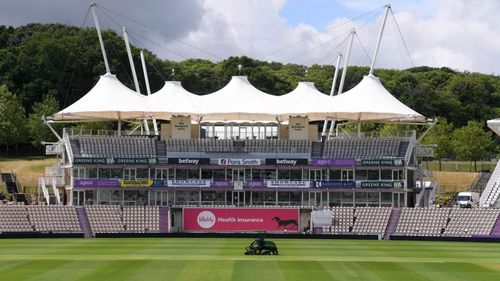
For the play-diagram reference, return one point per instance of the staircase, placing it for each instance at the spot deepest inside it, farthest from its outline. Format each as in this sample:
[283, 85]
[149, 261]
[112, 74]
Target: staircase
[10, 182]
[393, 223]
[161, 149]
[317, 149]
[489, 197]
[496, 228]
[84, 222]
[481, 183]
[164, 221]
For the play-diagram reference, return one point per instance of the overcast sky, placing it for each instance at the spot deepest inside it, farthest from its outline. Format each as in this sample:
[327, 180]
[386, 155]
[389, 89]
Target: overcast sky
[461, 34]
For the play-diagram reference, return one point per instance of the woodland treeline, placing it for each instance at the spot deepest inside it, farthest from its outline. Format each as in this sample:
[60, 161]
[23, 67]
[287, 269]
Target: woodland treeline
[46, 67]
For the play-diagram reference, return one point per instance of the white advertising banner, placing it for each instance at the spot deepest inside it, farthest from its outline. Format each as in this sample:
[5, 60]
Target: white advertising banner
[188, 183]
[288, 184]
[239, 162]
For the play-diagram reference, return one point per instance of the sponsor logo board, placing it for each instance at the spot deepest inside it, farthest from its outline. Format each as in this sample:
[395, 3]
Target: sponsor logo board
[96, 183]
[286, 161]
[383, 162]
[333, 162]
[238, 162]
[382, 184]
[136, 183]
[334, 184]
[241, 219]
[188, 183]
[288, 184]
[188, 161]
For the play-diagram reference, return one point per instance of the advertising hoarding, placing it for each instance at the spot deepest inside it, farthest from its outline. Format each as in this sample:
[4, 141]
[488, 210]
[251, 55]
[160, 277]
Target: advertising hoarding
[241, 219]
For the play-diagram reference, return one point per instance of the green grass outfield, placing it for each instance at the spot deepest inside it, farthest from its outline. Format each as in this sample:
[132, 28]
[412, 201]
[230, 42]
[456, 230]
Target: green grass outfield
[222, 259]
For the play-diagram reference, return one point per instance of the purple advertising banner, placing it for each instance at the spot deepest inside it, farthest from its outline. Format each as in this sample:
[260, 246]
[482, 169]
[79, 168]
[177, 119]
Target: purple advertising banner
[96, 183]
[222, 184]
[334, 162]
[254, 184]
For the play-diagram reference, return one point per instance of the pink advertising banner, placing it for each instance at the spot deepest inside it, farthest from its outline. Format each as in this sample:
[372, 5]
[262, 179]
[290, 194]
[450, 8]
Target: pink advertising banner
[241, 219]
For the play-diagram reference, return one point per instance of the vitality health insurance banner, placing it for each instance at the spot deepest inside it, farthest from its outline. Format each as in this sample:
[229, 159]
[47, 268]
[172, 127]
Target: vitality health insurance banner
[241, 219]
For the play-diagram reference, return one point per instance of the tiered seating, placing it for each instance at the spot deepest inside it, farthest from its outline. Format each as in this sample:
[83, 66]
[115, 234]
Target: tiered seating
[422, 221]
[140, 219]
[342, 220]
[14, 218]
[57, 218]
[263, 146]
[468, 222]
[105, 218]
[491, 193]
[278, 146]
[110, 146]
[364, 148]
[197, 145]
[371, 220]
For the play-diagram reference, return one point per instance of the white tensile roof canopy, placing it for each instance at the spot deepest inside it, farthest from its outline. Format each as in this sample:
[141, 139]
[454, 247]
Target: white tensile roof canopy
[304, 100]
[171, 100]
[109, 99]
[494, 125]
[239, 100]
[370, 101]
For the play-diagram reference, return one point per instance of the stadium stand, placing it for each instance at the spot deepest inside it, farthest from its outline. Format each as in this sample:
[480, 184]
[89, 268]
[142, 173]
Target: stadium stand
[422, 221]
[141, 219]
[56, 218]
[258, 146]
[14, 218]
[365, 147]
[342, 220]
[105, 218]
[371, 220]
[491, 193]
[110, 146]
[468, 222]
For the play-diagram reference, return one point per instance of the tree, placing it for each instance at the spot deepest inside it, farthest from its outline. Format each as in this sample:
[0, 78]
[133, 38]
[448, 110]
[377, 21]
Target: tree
[441, 135]
[472, 142]
[12, 119]
[35, 125]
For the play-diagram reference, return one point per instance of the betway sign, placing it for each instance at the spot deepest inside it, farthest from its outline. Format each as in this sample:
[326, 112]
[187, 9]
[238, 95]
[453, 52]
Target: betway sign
[188, 161]
[239, 162]
[286, 162]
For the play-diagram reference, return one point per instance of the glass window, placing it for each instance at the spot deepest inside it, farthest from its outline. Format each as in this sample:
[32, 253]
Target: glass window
[373, 175]
[347, 196]
[104, 173]
[270, 174]
[257, 198]
[116, 173]
[219, 197]
[270, 197]
[296, 174]
[194, 197]
[295, 197]
[258, 174]
[373, 199]
[219, 174]
[334, 198]
[361, 174]
[360, 198]
[207, 174]
[283, 174]
[180, 197]
[161, 174]
[92, 173]
[181, 174]
[386, 174]
[142, 173]
[283, 198]
[335, 175]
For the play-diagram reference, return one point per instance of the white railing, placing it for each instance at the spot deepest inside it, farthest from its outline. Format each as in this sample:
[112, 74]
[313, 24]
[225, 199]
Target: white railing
[492, 190]
[45, 192]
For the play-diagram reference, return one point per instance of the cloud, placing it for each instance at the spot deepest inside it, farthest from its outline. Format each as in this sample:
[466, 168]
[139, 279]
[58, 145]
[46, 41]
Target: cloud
[455, 33]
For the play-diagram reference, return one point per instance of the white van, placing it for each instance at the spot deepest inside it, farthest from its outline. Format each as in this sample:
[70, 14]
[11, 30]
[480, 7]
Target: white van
[468, 199]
